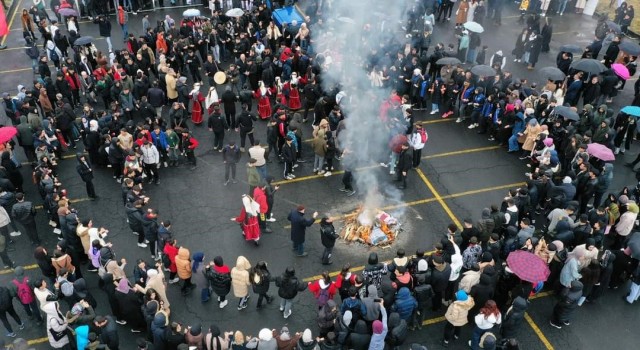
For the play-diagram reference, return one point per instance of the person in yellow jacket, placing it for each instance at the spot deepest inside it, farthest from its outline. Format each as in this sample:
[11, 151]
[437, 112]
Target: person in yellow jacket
[183, 264]
[240, 281]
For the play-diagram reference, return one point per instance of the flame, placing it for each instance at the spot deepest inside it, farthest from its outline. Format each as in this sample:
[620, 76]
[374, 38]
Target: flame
[360, 224]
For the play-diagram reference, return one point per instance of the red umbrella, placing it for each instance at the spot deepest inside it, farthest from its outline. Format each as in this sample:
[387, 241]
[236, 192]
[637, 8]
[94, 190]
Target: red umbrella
[7, 133]
[601, 152]
[528, 266]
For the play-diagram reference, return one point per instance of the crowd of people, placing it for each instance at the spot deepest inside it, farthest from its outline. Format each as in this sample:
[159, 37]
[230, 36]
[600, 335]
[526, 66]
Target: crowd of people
[566, 215]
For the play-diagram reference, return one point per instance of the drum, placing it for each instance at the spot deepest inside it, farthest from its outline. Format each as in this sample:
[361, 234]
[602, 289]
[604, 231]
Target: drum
[220, 78]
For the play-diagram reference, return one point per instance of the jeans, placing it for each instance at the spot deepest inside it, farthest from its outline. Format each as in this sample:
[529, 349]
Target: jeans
[326, 255]
[216, 53]
[218, 139]
[125, 31]
[299, 248]
[563, 5]
[471, 55]
[243, 301]
[513, 143]
[434, 107]
[108, 39]
[318, 162]
[262, 170]
[229, 167]
[286, 304]
[634, 293]
[475, 337]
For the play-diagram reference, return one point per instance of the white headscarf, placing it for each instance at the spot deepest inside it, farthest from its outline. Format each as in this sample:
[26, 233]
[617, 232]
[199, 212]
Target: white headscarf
[212, 97]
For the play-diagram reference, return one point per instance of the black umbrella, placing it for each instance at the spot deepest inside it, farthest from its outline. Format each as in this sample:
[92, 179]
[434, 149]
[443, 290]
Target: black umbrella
[588, 65]
[613, 26]
[83, 40]
[448, 60]
[566, 113]
[629, 47]
[571, 48]
[551, 73]
[483, 70]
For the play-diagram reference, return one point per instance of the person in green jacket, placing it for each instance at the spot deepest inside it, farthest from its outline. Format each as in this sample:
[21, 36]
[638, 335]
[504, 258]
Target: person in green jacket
[253, 177]
[173, 141]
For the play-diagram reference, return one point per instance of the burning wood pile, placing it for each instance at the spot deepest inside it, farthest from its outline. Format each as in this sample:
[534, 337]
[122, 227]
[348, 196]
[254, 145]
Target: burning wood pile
[370, 226]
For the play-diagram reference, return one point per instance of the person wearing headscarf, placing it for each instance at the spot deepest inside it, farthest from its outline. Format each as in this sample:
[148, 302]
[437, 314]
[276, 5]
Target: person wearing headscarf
[56, 326]
[156, 281]
[571, 270]
[380, 329]
[129, 302]
[194, 336]
[307, 342]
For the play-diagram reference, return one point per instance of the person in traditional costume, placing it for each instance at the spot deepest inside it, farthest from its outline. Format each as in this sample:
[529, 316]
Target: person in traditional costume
[293, 92]
[279, 89]
[212, 99]
[263, 95]
[196, 109]
[248, 219]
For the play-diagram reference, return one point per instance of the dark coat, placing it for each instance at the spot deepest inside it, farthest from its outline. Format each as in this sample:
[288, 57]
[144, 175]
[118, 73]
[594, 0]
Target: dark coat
[289, 286]
[133, 315]
[328, 235]
[220, 282]
[360, 338]
[298, 226]
[84, 169]
[513, 318]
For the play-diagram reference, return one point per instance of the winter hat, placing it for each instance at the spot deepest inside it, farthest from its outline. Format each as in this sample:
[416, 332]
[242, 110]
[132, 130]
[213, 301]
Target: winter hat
[486, 257]
[196, 329]
[197, 260]
[548, 142]
[488, 341]
[566, 180]
[623, 199]
[347, 317]
[152, 273]
[377, 327]
[265, 334]
[486, 213]
[461, 295]
[422, 265]
[306, 335]
[19, 271]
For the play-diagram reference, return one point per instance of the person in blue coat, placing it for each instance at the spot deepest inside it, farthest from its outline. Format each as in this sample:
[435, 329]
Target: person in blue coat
[516, 131]
[405, 304]
[299, 225]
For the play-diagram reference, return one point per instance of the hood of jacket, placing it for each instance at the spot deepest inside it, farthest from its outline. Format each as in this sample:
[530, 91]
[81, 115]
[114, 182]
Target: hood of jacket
[394, 320]
[184, 253]
[563, 225]
[23, 119]
[485, 279]
[242, 263]
[361, 327]
[520, 304]
[372, 291]
[403, 293]
[160, 320]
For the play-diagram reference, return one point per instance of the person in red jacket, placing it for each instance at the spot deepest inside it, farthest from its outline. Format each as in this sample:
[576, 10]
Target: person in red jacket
[188, 145]
[260, 196]
[74, 82]
[323, 289]
[171, 250]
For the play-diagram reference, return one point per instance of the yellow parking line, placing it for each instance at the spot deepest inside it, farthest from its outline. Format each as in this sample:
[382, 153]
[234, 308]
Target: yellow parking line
[440, 200]
[438, 155]
[538, 332]
[38, 341]
[17, 8]
[28, 267]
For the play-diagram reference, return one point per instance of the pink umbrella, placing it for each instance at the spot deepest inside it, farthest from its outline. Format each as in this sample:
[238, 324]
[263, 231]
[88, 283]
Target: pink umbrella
[7, 133]
[620, 71]
[601, 152]
[528, 266]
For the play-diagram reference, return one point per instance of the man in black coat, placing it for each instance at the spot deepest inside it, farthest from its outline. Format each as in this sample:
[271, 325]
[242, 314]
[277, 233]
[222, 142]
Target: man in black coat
[298, 227]
[229, 99]
[311, 95]
[245, 124]
[86, 173]
[328, 236]
[23, 212]
[108, 331]
[405, 163]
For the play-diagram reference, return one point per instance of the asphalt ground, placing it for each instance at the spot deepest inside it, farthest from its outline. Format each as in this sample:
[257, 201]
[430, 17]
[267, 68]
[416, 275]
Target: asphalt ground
[460, 174]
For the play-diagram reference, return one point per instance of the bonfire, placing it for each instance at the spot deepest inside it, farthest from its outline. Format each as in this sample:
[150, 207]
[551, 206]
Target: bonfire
[370, 226]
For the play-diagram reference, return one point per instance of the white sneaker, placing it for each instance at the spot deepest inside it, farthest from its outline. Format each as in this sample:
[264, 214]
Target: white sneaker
[166, 165]
[433, 112]
[223, 304]
[327, 174]
[459, 120]
[52, 223]
[57, 231]
[271, 219]
[135, 233]
[392, 172]
[287, 314]
[384, 165]
[142, 245]
[471, 126]
[281, 308]
[175, 280]
[295, 166]
[292, 176]
[315, 170]
[321, 172]
[15, 233]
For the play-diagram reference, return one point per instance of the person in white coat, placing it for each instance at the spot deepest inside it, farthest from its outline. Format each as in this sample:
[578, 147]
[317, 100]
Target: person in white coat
[56, 326]
[150, 161]
[417, 141]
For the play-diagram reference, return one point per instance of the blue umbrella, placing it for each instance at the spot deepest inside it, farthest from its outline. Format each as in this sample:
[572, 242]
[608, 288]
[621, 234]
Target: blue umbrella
[631, 110]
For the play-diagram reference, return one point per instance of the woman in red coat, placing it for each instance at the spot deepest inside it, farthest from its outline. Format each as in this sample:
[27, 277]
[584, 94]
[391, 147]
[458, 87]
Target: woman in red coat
[196, 109]
[248, 219]
[171, 250]
[263, 94]
[294, 93]
[323, 289]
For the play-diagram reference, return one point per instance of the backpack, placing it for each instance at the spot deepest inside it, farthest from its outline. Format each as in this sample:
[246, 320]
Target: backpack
[53, 55]
[24, 291]
[423, 135]
[323, 296]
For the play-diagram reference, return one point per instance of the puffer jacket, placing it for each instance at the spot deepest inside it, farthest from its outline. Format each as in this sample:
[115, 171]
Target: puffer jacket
[405, 303]
[183, 263]
[513, 317]
[240, 277]
[458, 311]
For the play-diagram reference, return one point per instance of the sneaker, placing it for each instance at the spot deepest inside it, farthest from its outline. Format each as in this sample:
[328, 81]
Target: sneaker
[21, 326]
[384, 165]
[281, 308]
[288, 177]
[459, 120]
[302, 255]
[555, 325]
[142, 245]
[434, 112]
[223, 304]
[52, 223]
[327, 174]
[119, 180]
[135, 330]
[295, 166]
[121, 322]
[234, 181]
[315, 170]
[287, 314]
[343, 190]
[471, 126]
[292, 176]
[166, 165]
[13, 334]
[153, 257]
[135, 233]
[146, 241]
[271, 219]
[226, 182]
[392, 172]
[15, 233]
[563, 322]
[175, 280]
[351, 193]
[321, 172]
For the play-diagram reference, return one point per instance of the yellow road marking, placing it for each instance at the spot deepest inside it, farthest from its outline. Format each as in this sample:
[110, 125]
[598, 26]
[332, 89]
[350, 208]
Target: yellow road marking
[538, 332]
[17, 8]
[28, 267]
[38, 341]
[440, 200]
[438, 155]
